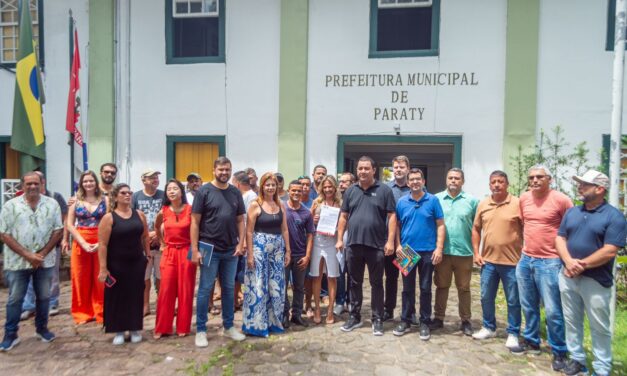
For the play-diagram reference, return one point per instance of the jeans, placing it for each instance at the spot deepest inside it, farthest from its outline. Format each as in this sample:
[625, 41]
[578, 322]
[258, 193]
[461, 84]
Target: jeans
[425, 280]
[224, 265]
[581, 294]
[29, 299]
[391, 284]
[490, 276]
[537, 281]
[298, 287]
[18, 283]
[358, 257]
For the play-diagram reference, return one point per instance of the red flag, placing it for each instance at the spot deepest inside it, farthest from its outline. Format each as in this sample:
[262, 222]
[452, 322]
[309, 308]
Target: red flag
[74, 100]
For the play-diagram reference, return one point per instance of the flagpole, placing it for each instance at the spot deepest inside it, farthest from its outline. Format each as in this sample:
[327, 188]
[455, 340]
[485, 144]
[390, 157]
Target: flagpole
[70, 135]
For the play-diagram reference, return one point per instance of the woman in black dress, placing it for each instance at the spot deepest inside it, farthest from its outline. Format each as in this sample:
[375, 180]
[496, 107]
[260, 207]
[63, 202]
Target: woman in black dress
[123, 252]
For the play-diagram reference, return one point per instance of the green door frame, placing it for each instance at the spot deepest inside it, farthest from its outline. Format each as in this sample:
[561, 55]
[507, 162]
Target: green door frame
[456, 141]
[3, 157]
[171, 151]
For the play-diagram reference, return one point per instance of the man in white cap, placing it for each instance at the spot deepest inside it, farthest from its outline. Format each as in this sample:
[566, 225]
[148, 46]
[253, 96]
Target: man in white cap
[587, 241]
[149, 201]
[194, 181]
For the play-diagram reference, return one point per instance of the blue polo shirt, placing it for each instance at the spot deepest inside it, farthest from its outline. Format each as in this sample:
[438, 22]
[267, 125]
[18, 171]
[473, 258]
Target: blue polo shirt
[588, 230]
[417, 221]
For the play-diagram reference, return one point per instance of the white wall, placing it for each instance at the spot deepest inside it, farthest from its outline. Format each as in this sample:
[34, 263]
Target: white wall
[238, 99]
[575, 72]
[472, 39]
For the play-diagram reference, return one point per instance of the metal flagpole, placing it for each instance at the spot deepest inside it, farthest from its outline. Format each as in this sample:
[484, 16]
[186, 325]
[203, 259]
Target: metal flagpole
[71, 136]
[615, 135]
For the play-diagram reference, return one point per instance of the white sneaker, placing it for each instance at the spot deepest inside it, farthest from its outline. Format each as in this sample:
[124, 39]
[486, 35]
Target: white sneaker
[338, 309]
[118, 339]
[54, 311]
[512, 341]
[234, 334]
[26, 315]
[201, 339]
[136, 336]
[484, 333]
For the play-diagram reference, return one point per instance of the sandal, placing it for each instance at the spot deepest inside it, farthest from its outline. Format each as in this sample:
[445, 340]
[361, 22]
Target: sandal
[317, 319]
[156, 335]
[214, 310]
[310, 313]
[330, 319]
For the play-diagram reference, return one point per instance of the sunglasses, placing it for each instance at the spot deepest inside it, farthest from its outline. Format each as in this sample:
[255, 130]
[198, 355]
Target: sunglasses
[109, 172]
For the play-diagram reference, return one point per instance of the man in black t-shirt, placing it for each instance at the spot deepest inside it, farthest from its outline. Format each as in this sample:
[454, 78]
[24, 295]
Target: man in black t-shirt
[366, 208]
[218, 219]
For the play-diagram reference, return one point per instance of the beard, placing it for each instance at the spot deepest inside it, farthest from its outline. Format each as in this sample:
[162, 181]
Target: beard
[107, 179]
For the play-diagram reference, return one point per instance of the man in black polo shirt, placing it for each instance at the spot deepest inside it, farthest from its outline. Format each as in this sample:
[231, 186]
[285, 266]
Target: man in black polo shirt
[366, 208]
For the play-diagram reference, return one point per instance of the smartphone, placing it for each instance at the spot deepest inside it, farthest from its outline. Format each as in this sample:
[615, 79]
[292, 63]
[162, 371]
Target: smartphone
[109, 281]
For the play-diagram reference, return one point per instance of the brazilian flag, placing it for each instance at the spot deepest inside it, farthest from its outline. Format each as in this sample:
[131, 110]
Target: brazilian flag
[28, 127]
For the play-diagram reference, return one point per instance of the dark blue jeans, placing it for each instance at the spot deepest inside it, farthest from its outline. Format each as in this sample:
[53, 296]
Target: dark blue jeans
[425, 279]
[223, 265]
[18, 284]
[343, 287]
[538, 281]
[491, 274]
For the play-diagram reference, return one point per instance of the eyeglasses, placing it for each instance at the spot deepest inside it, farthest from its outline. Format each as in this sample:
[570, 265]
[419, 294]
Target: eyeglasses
[539, 177]
[125, 193]
[109, 172]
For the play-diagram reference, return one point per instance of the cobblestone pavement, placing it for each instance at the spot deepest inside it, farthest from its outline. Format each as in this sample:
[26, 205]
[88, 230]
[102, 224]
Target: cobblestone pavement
[321, 349]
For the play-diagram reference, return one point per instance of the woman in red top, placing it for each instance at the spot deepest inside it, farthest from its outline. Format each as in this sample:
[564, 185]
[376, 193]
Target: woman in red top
[178, 275]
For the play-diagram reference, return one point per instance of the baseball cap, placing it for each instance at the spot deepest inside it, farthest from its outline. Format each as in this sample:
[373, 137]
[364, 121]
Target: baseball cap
[278, 176]
[594, 177]
[193, 175]
[150, 172]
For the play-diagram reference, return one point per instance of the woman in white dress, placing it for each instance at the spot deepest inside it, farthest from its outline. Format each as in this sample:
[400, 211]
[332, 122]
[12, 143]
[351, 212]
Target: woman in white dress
[324, 258]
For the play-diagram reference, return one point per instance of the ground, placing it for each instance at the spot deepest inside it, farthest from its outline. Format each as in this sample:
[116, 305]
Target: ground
[322, 349]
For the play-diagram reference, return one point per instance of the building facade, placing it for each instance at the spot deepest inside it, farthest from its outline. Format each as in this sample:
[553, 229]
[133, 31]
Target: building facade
[289, 84]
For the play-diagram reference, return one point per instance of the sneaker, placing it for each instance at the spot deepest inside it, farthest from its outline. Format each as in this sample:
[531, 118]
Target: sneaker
[377, 328]
[425, 332]
[338, 309]
[512, 341]
[136, 336]
[26, 315]
[526, 347]
[559, 362]
[54, 311]
[387, 316]
[201, 339]
[484, 333]
[351, 323]
[234, 334]
[401, 329]
[118, 339]
[436, 324]
[46, 336]
[9, 342]
[466, 328]
[573, 367]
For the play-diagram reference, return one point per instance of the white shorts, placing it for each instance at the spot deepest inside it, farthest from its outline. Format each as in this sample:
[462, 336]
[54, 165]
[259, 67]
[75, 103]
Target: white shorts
[324, 246]
[152, 268]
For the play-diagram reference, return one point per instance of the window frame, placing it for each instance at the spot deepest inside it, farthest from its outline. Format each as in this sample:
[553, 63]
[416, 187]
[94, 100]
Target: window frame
[40, 25]
[172, 140]
[422, 4]
[435, 34]
[194, 15]
[169, 43]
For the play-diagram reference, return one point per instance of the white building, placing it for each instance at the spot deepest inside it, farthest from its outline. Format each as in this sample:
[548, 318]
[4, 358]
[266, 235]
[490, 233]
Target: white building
[288, 84]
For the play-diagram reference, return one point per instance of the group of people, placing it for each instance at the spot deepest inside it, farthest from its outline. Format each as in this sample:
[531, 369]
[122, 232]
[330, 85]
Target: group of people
[318, 231]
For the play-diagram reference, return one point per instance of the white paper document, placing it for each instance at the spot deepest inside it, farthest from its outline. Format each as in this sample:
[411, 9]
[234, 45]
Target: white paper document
[327, 223]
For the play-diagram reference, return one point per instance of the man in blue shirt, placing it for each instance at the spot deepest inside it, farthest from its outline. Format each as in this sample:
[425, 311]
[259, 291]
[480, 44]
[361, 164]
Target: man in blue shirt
[400, 166]
[421, 226]
[588, 240]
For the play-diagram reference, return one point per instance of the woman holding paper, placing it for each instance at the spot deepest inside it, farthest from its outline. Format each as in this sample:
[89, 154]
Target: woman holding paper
[325, 211]
[82, 222]
[268, 254]
[178, 274]
[123, 249]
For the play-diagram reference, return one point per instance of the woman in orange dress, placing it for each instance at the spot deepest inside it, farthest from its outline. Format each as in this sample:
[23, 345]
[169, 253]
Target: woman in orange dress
[82, 223]
[178, 274]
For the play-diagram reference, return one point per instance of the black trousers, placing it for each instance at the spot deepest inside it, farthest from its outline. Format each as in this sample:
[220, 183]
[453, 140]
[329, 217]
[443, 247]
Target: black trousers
[298, 287]
[358, 257]
[391, 284]
[425, 279]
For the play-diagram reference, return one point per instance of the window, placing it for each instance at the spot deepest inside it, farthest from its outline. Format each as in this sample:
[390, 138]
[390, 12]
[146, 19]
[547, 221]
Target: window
[9, 30]
[400, 28]
[611, 25]
[194, 31]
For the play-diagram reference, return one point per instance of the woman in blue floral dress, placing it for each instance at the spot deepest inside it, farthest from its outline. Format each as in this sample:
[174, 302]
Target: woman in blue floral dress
[264, 281]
